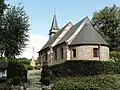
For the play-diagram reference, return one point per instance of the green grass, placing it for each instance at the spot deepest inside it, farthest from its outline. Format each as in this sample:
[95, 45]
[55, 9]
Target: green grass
[98, 82]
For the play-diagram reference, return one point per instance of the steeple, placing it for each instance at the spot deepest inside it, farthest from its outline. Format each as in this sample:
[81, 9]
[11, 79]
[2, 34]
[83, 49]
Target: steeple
[54, 27]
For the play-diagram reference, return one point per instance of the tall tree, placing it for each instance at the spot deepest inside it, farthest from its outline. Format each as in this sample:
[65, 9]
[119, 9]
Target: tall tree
[15, 33]
[107, 23]
[3, 6]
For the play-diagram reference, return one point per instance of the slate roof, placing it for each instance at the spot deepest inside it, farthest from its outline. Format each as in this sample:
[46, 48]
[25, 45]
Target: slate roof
[70, 32]
[51, 40]
[54, 25]
[88, 35]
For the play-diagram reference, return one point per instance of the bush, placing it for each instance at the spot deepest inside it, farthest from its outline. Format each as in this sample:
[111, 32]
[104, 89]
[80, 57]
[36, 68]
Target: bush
[24, 61]
[45, 72]
[28, 67]
[10, 81]
[16, 80]
[46, 81]
[99, 82]
[45, 75]
[84, 68]
[115, 55]
[17, 69]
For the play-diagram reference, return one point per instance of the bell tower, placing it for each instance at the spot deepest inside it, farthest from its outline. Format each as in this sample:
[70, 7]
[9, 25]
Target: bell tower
[54, 27]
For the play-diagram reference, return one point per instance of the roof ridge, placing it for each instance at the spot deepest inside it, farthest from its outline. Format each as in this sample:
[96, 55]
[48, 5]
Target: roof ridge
[83, 21]
[63, 32]
[88, 35]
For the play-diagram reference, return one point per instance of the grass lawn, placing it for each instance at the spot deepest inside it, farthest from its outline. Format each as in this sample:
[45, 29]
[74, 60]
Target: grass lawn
[98, 82]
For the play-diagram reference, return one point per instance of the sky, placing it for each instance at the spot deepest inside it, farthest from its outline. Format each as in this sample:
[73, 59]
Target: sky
[41, 12]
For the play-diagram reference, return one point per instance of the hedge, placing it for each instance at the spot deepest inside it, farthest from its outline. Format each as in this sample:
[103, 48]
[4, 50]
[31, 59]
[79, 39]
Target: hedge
[97, 82]
[17, 69]
[84, 68]
[80, 68]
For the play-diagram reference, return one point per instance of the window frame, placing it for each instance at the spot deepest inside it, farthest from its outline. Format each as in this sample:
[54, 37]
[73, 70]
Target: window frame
[62, 53]
[46, 56]
[55, 54]
[95, 52]
[74, 53]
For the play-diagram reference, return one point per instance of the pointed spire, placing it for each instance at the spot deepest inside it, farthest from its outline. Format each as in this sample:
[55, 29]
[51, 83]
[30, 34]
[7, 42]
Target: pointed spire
[54, 27]
[54, 23]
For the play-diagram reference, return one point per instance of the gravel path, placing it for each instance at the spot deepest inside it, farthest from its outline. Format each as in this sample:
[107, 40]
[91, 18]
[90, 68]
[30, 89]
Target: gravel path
[33, 78]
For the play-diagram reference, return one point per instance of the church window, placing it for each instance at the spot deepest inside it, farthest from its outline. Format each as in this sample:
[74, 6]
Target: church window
[62, 53]
[46, 56]
[74, 53]
[55, 54]
[95, 52]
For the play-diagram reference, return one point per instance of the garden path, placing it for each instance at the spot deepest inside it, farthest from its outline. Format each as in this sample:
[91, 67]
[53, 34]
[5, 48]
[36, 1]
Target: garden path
[34, 78]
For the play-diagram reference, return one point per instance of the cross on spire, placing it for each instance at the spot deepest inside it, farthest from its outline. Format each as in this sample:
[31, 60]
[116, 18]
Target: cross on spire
[54, 10]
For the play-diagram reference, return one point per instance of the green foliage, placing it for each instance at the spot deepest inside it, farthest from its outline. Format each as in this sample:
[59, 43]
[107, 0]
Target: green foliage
[24, 61]
[28, 67]
[15, 69]
[107, 23]
[10, 81]
[45, 75]
[46, 81]
[115, 55]
[99, 82]
[15, 31]
[84, 68]
[16, 81]
[3, 6]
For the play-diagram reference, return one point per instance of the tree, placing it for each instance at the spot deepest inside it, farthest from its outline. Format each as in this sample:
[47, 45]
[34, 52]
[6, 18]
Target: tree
[3, 6]
[107, 23]
[15, 31]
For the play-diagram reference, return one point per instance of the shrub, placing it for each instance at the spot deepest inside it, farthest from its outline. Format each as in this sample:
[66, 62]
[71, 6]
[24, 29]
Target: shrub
[10, 81]
[84, 68]
[24, 61]
[45, 74]
[99, 82]
[115, 55]
[16, 80]
[28, 67]
[46, 81]
[45, 71]
[17, 69]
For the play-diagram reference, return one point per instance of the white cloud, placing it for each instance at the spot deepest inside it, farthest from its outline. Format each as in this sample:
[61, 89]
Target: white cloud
[37, 41]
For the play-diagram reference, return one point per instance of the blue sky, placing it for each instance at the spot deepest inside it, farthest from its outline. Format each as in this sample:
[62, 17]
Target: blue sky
[41, 12]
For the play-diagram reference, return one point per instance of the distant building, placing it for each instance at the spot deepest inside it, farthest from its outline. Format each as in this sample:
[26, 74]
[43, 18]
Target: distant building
[73, 42]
